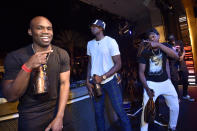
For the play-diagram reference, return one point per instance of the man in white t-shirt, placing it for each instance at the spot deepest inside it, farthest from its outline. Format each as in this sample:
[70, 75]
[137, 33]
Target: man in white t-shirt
[104, 62]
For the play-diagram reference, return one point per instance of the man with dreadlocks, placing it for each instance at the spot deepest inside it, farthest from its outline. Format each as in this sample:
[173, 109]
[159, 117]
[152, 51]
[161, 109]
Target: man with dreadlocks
[152, 59]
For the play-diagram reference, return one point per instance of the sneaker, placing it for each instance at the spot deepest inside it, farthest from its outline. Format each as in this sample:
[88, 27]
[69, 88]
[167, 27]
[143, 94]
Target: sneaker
[189, 98]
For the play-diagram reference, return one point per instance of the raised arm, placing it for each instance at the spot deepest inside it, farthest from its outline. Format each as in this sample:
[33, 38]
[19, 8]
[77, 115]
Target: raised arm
[13, 89]
[170, 52]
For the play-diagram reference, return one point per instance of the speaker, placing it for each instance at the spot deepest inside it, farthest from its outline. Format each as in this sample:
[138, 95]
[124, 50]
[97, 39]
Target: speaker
[79, 116]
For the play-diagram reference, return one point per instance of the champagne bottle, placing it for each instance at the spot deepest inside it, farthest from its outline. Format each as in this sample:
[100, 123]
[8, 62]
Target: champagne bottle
[40, 80]
[98, 90]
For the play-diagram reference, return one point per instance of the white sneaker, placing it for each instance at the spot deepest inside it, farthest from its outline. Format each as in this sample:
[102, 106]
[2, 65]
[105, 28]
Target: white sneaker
[187, 97]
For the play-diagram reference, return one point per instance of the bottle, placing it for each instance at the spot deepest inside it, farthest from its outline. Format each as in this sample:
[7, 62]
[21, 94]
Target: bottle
[40, 80]
[97, 90]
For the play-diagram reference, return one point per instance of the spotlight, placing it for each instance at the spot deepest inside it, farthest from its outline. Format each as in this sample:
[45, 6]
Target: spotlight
[126, 31]
[125, 28]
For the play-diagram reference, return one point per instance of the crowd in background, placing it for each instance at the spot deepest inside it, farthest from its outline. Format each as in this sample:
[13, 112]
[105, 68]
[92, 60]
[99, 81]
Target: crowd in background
[130, 86]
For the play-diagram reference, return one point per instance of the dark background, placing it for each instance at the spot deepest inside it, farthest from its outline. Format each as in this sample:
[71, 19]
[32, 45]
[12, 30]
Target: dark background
[64, 14]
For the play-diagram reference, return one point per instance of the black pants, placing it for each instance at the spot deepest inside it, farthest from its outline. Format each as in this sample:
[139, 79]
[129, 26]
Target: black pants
[184, 81]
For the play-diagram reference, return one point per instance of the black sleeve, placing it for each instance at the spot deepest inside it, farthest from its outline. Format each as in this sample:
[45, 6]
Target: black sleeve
[64, 61]
[11, 66]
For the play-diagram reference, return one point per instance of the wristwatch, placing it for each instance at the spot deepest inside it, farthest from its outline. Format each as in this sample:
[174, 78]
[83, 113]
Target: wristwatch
[104, 77]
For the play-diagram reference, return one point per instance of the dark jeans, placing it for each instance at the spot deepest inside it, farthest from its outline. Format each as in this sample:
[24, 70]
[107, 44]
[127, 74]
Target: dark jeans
[184, 81]
[180, 77]
[113, 90]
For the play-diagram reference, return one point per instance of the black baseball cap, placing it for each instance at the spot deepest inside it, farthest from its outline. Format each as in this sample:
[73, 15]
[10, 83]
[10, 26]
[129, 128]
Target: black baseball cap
[99, 23]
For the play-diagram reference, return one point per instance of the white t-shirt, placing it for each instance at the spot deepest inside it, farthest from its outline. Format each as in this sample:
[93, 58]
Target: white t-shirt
[101, 53]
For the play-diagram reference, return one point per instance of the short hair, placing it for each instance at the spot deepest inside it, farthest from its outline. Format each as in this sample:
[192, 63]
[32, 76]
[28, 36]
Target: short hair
[171, 37]
[32, 20]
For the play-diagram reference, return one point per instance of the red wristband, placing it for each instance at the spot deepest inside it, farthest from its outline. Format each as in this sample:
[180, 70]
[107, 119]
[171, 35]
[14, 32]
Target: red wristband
[26, 69]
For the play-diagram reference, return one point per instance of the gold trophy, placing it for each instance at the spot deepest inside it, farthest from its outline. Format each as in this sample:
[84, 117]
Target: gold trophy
[97, 89]
[40, 80]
